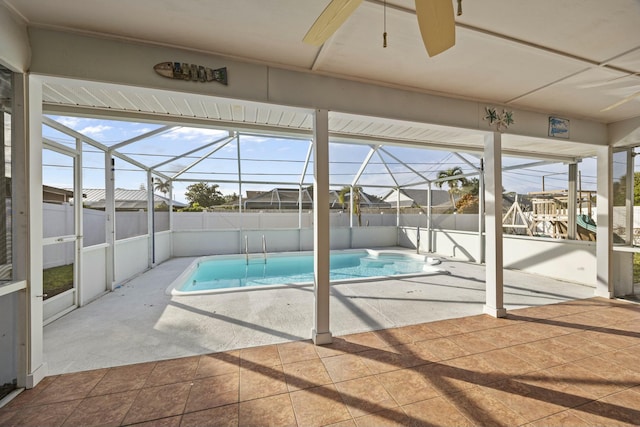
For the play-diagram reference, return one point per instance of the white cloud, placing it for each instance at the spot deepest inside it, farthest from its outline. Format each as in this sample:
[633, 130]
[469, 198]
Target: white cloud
[193, 133]
[95, 130]
[70, 122]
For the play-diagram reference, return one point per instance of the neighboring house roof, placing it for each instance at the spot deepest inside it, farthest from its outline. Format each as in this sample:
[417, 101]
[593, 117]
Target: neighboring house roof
[283, 198]
[55, 194]
[415, 198]
[278, 198]
[124, 199]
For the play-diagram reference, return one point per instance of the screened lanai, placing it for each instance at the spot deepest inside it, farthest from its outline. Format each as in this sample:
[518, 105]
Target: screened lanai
[130, 138]
[244, 148]
[134, 154]
[81, 60]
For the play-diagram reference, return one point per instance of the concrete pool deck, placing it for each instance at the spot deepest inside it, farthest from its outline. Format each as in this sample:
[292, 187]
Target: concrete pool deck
[138, 322]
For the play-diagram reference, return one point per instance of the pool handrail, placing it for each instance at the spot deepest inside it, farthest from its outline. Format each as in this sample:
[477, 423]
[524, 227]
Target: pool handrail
[246, 247]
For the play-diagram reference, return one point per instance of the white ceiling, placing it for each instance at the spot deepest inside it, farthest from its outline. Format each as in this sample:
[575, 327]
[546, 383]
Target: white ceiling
[570, 57]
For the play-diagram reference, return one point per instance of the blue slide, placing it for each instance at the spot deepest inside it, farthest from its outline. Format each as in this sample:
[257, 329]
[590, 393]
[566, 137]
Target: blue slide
[586, 222]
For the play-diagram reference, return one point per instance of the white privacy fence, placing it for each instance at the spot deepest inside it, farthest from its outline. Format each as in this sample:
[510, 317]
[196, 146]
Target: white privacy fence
[58, 221]
[188, 221]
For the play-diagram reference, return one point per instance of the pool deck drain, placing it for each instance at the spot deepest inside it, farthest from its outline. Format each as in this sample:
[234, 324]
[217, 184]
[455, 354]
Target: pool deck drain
[138, 322]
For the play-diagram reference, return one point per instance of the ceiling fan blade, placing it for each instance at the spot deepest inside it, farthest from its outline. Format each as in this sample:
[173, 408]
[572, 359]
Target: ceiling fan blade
[437, 25]
[331, 18]
[622, 101]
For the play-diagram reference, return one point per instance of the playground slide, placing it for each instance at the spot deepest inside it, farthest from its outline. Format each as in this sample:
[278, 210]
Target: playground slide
[586, 222]
[586, 227]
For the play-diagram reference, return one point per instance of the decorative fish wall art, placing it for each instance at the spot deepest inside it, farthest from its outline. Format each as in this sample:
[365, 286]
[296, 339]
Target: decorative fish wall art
[191, 72]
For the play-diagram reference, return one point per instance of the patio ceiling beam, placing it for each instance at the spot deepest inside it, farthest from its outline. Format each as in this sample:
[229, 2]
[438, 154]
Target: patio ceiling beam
[164, 119]
[154, 132]
[540, 156]
[204, 157]
[346, 138]
[529, 165]
[202, 147]
[405, 165]
[279, 135]
[364, 164]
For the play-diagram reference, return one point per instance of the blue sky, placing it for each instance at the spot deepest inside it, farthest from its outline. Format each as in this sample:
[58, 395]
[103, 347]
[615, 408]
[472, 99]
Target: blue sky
[265, 160]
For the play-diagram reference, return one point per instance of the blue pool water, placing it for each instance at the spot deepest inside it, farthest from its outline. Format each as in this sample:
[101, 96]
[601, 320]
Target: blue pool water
[213, 273]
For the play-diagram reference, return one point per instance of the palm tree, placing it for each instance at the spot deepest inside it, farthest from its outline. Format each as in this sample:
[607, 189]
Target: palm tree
[454, 182]
[161, 186]
[355, 193]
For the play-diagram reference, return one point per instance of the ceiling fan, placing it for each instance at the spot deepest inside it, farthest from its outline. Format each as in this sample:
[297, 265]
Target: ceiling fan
[435, 19]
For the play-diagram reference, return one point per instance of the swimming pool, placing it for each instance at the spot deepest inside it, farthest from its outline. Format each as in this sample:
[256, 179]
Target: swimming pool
[237, 272]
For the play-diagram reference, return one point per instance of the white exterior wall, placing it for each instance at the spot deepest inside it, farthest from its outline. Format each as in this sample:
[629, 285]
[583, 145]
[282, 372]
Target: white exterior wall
[198, 243]
[163, 246]
[15, 52]
[462, 245]
[94, 282]
[219, 242]
[8, 337]
[131, 257]
[571, 260]
[367, 237]
[56, 306]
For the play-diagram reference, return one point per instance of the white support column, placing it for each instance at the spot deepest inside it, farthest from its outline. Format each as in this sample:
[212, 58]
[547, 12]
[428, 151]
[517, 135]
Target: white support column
[481, 213]
[429, 221]
[398, 207]
[604, 221]
[350, 212]
[26, 172]
[572, 202]
[171, 218]
[79, 221]
[110, 218]
[629, 197]
[239, 174]
[321, 333]
[151, 221]
[493, 217]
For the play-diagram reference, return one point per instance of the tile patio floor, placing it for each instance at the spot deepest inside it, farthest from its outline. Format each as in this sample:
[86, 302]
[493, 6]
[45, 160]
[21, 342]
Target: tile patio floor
[572, 363]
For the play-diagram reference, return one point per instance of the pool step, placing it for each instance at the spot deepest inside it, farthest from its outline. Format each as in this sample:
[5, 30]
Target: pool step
[372, 262]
